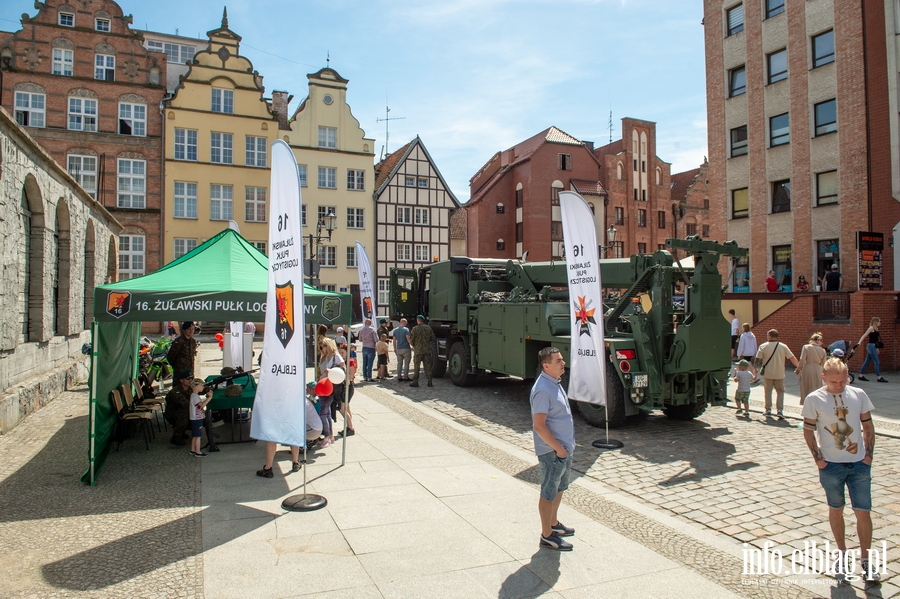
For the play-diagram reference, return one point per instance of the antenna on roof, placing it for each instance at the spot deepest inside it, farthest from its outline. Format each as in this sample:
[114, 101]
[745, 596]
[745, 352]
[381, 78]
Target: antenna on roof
[610, 125]
[388, 117]
[328, 59]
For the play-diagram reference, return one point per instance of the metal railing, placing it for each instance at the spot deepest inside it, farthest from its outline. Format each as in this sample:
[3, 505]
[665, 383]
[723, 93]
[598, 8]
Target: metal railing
[832, 305]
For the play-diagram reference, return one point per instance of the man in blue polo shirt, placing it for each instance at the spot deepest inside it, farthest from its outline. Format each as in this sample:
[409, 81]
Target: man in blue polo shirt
[554, 442]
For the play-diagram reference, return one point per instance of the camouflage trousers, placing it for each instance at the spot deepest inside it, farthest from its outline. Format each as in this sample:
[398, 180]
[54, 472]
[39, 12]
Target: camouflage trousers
[427, 361]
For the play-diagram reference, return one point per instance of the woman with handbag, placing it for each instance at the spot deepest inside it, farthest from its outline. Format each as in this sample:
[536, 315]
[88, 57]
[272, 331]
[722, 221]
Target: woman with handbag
[328, 358]
[873, 344]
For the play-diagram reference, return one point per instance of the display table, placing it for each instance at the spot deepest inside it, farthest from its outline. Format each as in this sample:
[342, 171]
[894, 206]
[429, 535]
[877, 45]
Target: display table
[243, 401]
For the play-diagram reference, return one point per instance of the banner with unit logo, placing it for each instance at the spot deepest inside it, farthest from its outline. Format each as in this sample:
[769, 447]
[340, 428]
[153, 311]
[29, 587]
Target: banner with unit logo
[279, 411]
[587, 361]
[366, 290]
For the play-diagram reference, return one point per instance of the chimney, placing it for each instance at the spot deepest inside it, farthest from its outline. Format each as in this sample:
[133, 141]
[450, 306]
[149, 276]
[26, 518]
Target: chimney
[280, 102]
[589, 145]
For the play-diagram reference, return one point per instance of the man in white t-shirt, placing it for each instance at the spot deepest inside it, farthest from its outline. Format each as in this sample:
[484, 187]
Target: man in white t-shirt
[735, 333]
[838, 429]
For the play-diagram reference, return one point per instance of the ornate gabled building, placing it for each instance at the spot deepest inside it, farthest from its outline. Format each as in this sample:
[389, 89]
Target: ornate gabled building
[514, 205]
[218, 131]
[80, 81]
[413, 207]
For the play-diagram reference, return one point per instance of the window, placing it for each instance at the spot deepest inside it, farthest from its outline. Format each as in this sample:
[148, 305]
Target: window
[327, 137]
[327, 177]
[423, 183]
[327, 256]
[823, 49]
[63, 61]
[422, 253]
[323, 211]
[101, 24]
[356, 218]
[620, 215]
[222, 100]
[706, 203]
[500, 208]
[735, 19]
[131, 256]
[260, 245]
[554, 195]
[84, 170]
[185, 200]
[826, 188]
[826, 117]
[410, 181]
[705, 229]
[356, 180]
[642, 218]
[183, 246]
[556, 230]
[255, 204]
[739, 141]
[781, 196]
[185, 144]
[781, 264]
[642, 248]
[384, 292]
[404, 252]
[82, 114]
[737, 81]
[740, 203]
[133, 119]
[351, 256]
[643, 166]
[423, 216]
[404, 215]
[66, 19]
[661, 219]
[519, 198]
[255, 151]
[301, 174]
[303, 215]
[501, 245]
[104, 67]
[221, 200]
[220, 148]
[643, 195]
[779, 130]
[774, 7]
[520, 233]
[690, 229]
[132, 183]
[564, 162]
[777, 65]
[175, 53]
[618, 249]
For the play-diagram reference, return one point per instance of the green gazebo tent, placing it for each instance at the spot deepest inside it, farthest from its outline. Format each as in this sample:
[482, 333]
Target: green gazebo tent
[224, 279]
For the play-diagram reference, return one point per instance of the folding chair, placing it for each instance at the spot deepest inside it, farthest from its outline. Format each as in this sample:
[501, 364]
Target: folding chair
[124, 417]
[131, 406]
[156, 404]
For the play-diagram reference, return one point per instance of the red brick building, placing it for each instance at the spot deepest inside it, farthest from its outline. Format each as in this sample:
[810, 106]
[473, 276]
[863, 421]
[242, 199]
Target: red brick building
[79, 79]
[803, 137]
[514, 205]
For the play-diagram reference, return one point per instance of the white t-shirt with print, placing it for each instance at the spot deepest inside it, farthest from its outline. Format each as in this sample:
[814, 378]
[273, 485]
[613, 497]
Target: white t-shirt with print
[834, 438]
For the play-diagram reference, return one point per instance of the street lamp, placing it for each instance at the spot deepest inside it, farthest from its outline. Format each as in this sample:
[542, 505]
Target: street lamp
[611, 233]
[329, 223]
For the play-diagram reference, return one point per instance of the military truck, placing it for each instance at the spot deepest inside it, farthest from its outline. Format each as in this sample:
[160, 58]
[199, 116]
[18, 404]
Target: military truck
[668, 344]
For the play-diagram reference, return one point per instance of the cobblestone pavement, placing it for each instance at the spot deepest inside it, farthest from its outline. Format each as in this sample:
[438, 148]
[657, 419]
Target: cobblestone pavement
[135, 534]
[750, 480]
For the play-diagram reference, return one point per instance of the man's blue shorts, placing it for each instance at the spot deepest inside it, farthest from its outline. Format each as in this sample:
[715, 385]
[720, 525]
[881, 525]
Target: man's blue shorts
[857, 477]
[196, 428]
[554, 474]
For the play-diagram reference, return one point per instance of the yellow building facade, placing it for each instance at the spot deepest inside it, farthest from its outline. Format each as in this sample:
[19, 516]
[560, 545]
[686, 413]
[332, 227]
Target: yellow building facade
[336, 164]
[218, 131]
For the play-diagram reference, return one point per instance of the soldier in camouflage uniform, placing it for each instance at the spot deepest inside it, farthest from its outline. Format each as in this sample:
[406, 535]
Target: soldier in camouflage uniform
[422, 340]
[184, 348]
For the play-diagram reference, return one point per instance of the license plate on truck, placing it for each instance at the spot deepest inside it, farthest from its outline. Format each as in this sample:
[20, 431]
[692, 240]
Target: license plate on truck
[639, 380]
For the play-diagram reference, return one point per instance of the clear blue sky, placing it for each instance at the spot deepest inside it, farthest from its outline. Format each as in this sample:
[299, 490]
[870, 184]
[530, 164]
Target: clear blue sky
[472, 77]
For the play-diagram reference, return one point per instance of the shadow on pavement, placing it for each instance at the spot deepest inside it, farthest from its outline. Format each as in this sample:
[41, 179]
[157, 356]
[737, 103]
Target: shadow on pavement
[534, 578]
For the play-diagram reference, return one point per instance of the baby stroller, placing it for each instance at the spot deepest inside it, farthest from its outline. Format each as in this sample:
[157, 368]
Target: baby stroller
[843, 350]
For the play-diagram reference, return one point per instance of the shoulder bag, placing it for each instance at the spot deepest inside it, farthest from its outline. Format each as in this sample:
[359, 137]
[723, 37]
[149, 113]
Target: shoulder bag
[762, 371]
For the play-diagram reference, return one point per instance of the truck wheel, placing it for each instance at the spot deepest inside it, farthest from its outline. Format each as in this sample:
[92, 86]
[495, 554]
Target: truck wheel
[439, 365]
[595, 415]
[458, 361]
[687, 411]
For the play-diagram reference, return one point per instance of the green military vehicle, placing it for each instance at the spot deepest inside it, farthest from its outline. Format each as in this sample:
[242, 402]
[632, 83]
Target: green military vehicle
[668, 344]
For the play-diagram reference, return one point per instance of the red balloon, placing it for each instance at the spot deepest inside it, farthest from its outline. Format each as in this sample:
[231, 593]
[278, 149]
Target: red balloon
[219, 336]
[324, 388]
[221, 344]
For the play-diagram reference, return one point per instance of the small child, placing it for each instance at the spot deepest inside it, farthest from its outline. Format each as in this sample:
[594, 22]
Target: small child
[381, 348]
[197, 412]
[742, 377]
